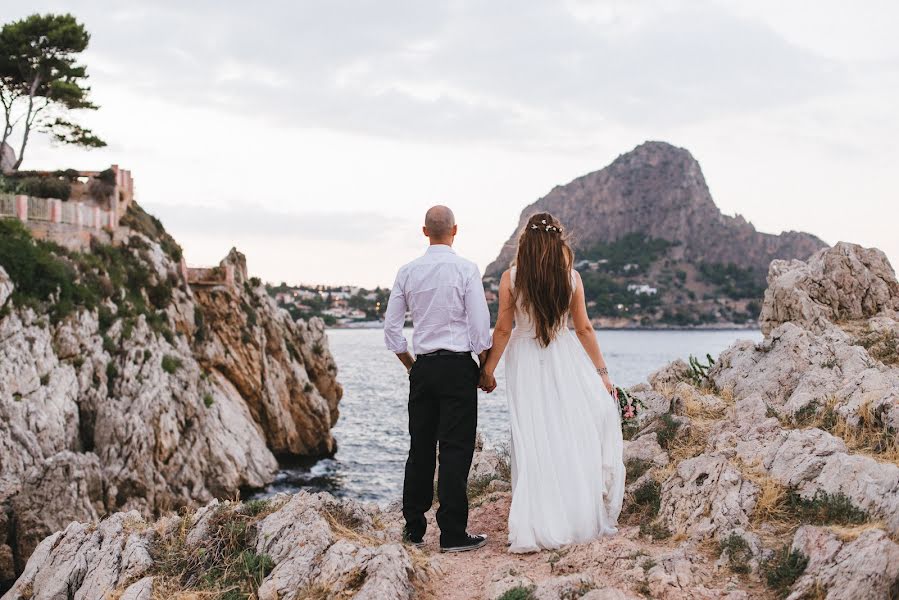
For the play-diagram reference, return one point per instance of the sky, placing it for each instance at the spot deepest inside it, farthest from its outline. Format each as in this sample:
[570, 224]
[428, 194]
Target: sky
[313, 135]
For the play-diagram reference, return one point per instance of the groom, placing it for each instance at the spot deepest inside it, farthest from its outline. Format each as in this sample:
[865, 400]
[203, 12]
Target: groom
[449, 313]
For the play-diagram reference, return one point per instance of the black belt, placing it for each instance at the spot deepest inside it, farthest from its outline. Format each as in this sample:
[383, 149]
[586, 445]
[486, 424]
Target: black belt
[443, 353]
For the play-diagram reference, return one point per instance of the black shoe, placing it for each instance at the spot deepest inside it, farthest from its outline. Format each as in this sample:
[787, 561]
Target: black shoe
[418, 542]
[471, 542]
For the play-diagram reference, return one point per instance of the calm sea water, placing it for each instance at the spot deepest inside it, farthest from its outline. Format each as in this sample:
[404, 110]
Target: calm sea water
[372, 433]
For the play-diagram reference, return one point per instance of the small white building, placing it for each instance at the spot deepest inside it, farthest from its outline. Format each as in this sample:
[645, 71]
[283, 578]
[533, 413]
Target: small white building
[642, 288]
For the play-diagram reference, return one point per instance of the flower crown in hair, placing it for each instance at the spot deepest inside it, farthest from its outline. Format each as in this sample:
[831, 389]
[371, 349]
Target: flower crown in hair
[546, 227]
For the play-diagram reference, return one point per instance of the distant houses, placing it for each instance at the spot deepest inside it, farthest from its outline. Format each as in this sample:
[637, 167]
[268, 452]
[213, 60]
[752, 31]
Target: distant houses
[642, 288]
[340, 306]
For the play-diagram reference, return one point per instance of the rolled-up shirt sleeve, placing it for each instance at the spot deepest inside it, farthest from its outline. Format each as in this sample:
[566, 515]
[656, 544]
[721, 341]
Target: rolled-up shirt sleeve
[395, 318]
[478, 314]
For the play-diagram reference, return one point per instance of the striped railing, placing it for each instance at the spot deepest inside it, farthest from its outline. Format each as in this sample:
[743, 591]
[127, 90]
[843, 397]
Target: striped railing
[75, 214]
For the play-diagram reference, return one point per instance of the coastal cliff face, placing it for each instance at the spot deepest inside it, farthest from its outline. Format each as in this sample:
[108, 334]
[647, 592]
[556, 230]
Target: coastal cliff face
[651, 217]
[772, 474]
[122, 388]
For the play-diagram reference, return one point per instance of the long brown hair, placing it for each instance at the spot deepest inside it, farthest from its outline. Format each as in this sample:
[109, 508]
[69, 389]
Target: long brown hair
[543, 277]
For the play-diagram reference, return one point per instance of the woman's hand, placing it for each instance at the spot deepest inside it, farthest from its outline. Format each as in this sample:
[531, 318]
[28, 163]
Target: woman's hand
[487, 381]
[610, 387]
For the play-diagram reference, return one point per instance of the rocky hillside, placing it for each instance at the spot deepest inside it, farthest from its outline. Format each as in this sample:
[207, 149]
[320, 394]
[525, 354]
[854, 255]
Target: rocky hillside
[773, 474]
[122, 388]
[648, 218]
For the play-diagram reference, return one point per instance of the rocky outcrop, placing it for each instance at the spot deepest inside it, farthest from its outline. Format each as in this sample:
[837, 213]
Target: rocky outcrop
[845, 283]
[158, 396]
[800, 428]
[307, 545]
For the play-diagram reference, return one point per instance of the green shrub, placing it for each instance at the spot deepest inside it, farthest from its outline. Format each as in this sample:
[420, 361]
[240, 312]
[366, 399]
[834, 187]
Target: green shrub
[170, 363]
[825, 509]
[646, 501]
[655, 529]
[208, 400]
[738, 553]
[668, 430]
[45, 187]
[227, 567]
[40, 270]
[783, 569]
[160, 295]
[112, 373]
[200, 324]
[635, 468]
[518, 593]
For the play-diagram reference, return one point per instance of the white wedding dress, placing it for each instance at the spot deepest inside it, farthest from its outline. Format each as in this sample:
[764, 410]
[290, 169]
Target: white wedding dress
[567, 464]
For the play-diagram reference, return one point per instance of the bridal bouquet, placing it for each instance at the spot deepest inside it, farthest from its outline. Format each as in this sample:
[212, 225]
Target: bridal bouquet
[628, 405]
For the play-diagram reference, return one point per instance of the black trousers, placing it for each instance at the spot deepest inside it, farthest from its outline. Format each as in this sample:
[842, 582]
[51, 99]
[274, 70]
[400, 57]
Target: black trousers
[443, 411]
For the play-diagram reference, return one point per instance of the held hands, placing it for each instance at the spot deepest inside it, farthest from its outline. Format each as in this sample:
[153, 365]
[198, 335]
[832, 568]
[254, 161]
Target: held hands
[487, 381]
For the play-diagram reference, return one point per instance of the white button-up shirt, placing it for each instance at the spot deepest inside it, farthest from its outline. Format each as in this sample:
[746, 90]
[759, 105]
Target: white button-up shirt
[446, 297]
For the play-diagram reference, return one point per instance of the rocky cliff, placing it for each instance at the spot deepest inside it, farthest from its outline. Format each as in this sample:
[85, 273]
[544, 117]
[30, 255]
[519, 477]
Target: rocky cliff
[123, 388]
[651, 209]
[772, 474]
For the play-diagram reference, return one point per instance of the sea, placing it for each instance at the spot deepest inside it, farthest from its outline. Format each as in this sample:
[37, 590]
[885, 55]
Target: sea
[372, 435]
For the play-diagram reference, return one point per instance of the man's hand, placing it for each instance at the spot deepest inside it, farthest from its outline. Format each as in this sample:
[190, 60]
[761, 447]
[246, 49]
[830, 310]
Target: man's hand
[487, 382]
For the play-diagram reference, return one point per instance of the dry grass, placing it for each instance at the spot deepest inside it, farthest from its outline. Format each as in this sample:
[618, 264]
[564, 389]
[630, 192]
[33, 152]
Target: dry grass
[847, 533]
[870, 436]
[348, 527]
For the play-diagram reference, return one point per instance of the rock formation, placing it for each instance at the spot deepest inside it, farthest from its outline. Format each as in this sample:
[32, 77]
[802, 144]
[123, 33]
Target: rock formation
[132, 391]
[658, 193]
[774, 474]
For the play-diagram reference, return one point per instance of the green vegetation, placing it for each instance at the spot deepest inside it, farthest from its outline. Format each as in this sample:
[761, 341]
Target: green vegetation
[825, 509]
[208, 400]
[699, 372]
[655, 530]
[225, 567]
[518, 593]
[49, 278]
[142, 222]
[645, 503]
[668, 429]
[881, 345]
[733, 281]
[783, 569]
[635, 468]
[41, 81]
[631, 249]
[738, 553]
[41, 186]
[170, 363]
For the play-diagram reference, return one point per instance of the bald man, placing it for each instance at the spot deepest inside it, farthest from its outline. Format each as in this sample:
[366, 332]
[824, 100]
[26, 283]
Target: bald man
[451, 321]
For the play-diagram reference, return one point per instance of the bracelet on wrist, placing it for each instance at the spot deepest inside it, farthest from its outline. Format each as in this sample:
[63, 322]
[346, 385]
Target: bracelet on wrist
[602, 371]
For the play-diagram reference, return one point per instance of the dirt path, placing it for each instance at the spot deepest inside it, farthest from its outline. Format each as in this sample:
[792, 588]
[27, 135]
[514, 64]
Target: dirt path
[628, 563]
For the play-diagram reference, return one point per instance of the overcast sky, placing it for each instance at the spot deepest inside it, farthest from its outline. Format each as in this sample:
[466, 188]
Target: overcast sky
[313, 135]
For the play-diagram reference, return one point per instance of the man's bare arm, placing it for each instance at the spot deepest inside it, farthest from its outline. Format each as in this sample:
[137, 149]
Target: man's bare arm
[406, 358]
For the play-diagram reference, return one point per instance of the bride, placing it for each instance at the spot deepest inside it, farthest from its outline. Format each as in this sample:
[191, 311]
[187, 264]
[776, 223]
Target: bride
[567, 467]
